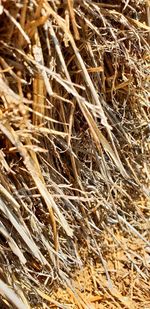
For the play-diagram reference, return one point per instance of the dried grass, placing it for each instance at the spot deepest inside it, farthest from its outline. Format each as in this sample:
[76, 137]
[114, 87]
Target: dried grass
[74, 158]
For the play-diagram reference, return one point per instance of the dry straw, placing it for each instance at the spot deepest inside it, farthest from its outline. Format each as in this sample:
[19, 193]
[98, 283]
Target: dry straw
[74, 158]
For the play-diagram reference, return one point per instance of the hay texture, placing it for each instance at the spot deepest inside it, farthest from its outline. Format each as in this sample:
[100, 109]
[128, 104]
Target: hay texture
[74, 157]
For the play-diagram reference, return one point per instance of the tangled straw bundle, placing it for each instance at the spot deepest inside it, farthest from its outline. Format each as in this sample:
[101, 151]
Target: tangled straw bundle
[74, 131]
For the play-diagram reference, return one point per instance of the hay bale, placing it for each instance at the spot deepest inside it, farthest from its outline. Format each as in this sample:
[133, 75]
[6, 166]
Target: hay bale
[74, 130]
